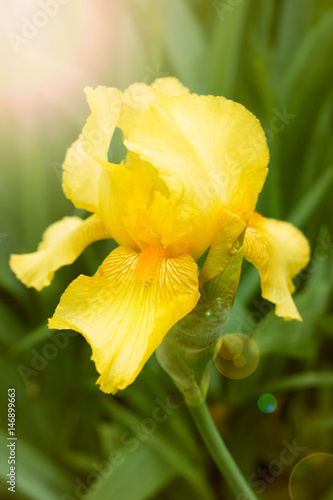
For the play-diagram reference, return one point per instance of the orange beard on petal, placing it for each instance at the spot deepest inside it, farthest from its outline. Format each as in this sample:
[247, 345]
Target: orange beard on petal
[148, 263]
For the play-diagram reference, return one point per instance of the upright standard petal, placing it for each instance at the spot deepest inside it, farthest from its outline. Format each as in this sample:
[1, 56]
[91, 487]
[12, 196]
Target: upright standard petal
[119, 199]
[81, 169]
[214, 147]
[80, 178]
[279, 251]
[126, 309]
[211, 153]
[105, 105]
[138, 96]
[62, 243]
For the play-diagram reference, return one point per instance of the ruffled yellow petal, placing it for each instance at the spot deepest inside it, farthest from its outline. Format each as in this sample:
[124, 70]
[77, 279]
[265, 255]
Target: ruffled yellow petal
[126, 309]
[127, 197]
[105, 105]
[138, 96]
[80, 178]
[211, 153]
[62, 243]
[213, 148]
[136, 207]
[280, 252]
[81, 171]
[119, 200]
[168, 85]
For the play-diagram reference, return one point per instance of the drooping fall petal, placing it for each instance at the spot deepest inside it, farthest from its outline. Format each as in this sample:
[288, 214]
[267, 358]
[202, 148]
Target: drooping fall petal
[62, 243]
[126, 309]
[279, 251]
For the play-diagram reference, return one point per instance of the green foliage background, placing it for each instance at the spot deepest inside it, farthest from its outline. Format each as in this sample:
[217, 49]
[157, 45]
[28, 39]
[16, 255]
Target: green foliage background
[275, 57]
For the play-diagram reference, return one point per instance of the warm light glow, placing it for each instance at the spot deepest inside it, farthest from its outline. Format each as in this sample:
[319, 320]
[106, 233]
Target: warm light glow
[52, 48]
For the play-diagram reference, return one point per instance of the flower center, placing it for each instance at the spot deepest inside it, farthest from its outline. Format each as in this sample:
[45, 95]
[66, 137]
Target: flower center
[148, 264]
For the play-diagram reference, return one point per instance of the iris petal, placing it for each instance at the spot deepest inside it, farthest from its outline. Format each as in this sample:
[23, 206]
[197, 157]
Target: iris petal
[62, 243]
[80, 178]
[213, 146]
[105, 105]
[279, 251]
[81, 168]
[138, 96]
[210, 151]
[126, 309]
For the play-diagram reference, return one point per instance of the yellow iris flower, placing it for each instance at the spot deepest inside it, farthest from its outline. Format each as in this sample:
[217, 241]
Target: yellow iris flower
[194, 169]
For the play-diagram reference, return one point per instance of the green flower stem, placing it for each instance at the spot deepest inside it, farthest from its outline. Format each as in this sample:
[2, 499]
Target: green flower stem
[220, 453]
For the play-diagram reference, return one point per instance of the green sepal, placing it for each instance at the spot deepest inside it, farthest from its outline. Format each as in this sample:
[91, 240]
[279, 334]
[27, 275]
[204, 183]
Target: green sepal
[187, 350]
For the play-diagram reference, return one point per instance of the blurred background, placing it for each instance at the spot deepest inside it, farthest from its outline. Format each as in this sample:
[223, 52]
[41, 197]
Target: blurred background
[273, 56]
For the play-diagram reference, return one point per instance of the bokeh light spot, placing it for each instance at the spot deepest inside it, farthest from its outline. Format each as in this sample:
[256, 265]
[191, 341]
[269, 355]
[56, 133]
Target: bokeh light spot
[267, 403]
[312, 478]
[236, 356]
[239, 360]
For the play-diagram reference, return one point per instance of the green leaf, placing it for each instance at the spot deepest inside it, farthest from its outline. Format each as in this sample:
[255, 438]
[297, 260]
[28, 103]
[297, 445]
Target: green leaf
[293, 21]
[296, 339]
[10, 327]
[171, 452]
[312, 198]
[184, 42]
[225, 51]
[316, 47]
[38, 477]
[141, 475]
[266, 12]
[299, 381]
[319, 150]
[31, 339]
